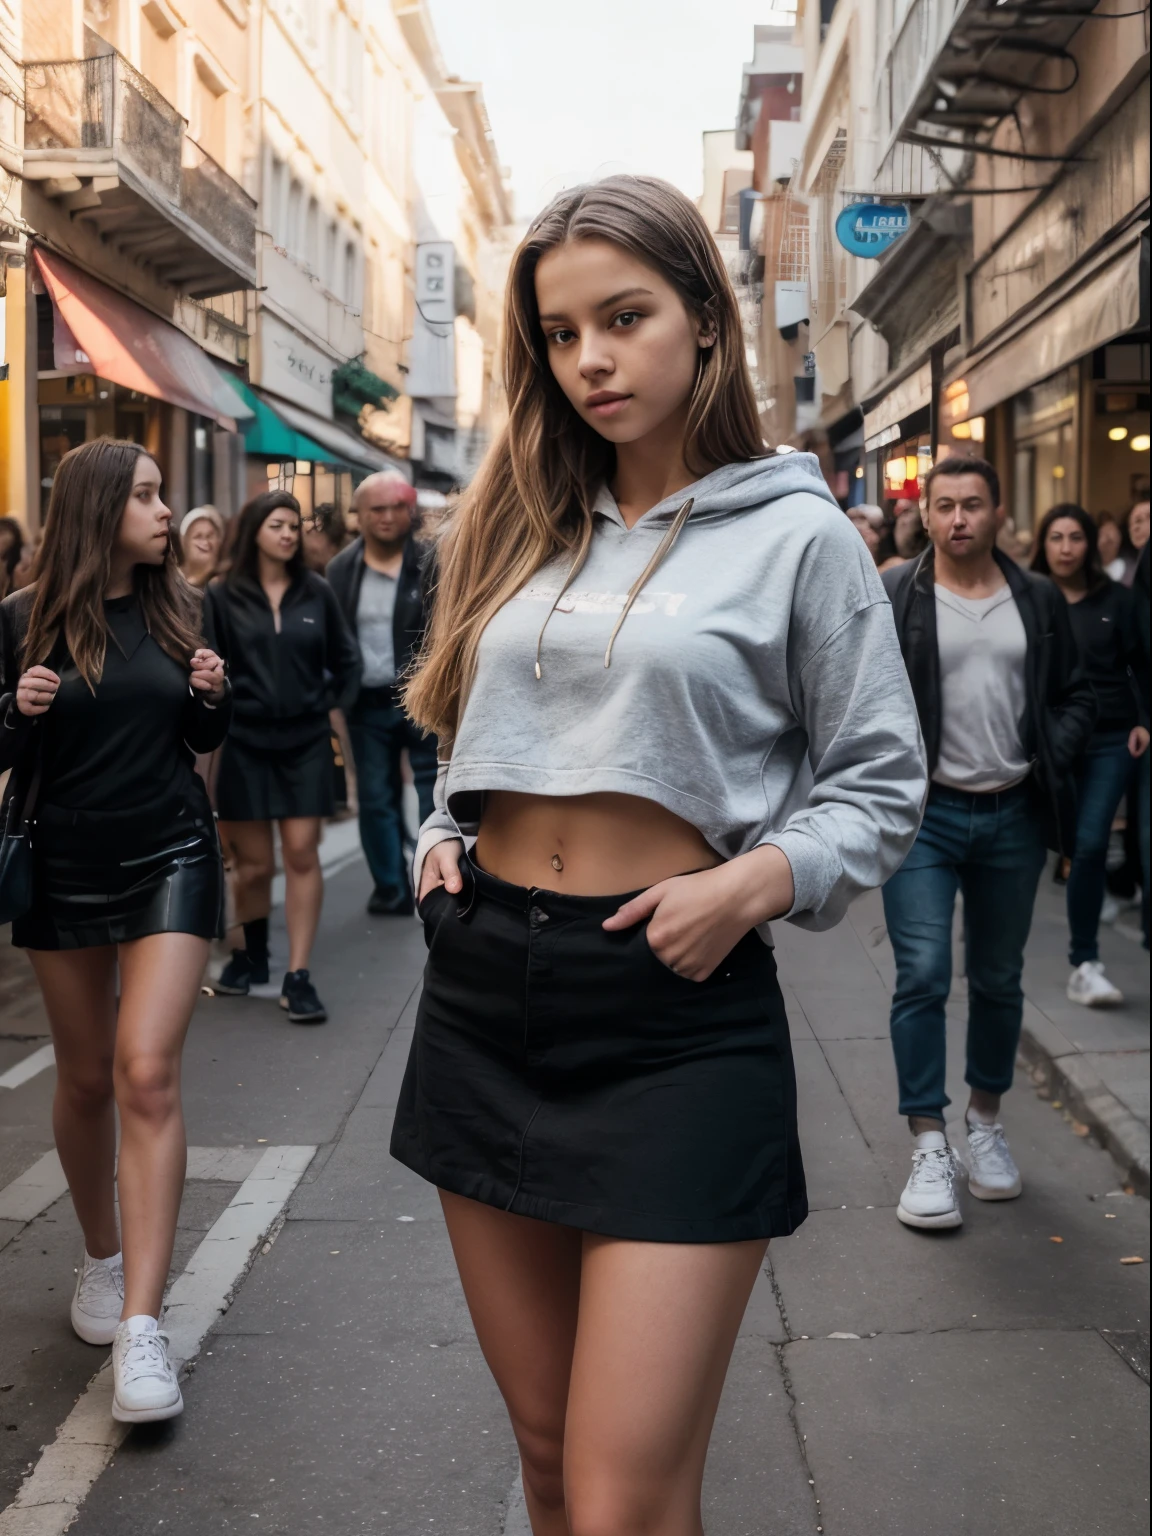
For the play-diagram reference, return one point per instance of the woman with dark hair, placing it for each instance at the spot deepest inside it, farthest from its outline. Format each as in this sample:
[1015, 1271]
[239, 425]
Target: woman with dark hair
[664, 675]
[291, 660]
[108, 694]
[1103, 619]
[11, 550]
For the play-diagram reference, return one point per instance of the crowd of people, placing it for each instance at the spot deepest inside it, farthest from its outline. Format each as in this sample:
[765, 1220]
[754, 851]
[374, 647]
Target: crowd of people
[600, 1083]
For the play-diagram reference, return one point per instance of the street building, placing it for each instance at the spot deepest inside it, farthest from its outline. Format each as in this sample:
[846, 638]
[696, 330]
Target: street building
[954, 243]
[221, 221]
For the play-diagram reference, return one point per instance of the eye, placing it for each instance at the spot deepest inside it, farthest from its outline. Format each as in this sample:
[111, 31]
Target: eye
[561, 337]
[627, 318]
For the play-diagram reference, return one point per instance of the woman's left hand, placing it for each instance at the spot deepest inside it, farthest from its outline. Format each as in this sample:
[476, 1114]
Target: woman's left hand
[207, 675]
[1138, 741]
[695, 920]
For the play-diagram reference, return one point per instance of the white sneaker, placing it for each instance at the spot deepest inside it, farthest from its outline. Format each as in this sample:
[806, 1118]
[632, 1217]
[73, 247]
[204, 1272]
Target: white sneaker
[146, 1388]
[98, 1300]
[1089, 985]
[929, 1199]
[1110, 911]
[992, 1174]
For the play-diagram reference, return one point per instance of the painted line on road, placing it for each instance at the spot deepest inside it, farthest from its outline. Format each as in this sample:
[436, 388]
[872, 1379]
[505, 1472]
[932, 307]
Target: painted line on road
[30, 1067]
[51, 1495]
[40, 1186]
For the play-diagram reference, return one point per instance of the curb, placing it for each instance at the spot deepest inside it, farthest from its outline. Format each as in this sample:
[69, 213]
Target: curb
[1115, 1128]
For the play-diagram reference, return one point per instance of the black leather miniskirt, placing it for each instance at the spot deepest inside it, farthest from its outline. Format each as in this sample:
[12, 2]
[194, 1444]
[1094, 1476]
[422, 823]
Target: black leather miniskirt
[108, 878]
[563, 1072]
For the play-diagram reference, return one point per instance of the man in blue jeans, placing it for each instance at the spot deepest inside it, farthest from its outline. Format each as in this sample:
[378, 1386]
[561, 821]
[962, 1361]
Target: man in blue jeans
[1004, 712]
[380, 581]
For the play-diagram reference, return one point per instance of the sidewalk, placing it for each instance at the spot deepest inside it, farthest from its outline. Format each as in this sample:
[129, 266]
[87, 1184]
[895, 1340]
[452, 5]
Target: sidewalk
[1093, 1061]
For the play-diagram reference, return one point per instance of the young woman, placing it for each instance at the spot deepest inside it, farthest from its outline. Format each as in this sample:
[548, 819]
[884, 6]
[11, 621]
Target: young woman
[111, 693]
[291, 660]
[11, 552]
[201, 540]
[668, 680]
[1103, 617]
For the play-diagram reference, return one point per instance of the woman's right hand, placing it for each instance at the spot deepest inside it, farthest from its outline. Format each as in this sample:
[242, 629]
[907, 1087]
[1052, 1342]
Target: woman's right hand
[442, 867]
[36, 690]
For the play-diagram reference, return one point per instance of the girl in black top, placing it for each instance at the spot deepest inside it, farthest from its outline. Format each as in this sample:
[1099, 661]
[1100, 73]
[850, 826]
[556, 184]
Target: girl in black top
[1103, 618]
[290, 659]
[108, 694]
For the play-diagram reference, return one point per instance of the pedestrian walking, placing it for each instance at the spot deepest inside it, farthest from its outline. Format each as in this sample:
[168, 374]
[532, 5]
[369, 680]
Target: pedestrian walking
[1005, 714]
[1103, 617]
[380, 581]
[325, 535]
[1136, 527]
[870, 524]
[908, 535]
[291, 661]
[108, 694]
[661, 661]
[201, 541]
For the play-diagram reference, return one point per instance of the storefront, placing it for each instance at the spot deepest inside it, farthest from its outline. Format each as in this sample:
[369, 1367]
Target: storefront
[109, 367]
[898, 439]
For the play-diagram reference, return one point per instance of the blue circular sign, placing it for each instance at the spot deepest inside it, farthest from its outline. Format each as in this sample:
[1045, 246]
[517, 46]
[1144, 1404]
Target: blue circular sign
[868, 229]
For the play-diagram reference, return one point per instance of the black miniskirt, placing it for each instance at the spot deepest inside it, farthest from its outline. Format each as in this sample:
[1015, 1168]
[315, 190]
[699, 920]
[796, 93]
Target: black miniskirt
[109, 878]
[563, 1072]
[271, 783]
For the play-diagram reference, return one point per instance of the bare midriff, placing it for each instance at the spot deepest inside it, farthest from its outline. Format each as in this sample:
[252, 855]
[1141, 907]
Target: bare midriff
[586, 845]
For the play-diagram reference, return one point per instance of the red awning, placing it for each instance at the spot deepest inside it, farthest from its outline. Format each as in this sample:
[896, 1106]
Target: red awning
[97, 330]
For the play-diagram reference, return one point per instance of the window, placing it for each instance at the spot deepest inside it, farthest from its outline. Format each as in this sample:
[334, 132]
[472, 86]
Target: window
[292, 230]
[312, 236]
[158, 51]
[209, 114]
[331, 246]
[274, 209]
[348, 293]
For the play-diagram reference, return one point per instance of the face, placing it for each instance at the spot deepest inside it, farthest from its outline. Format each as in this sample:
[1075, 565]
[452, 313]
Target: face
[960, 518]
[621, 344]
[1138, 525]
[202, 541]
[142, 537]
[867, 532]
[7, 539]
[279, 535]
[1108, 541]
[907, 531]
[1066, 548]
[382, 515]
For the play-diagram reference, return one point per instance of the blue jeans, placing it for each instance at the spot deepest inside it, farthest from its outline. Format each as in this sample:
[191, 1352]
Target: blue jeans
[991, 848]
[380, 732]
[1103, 773]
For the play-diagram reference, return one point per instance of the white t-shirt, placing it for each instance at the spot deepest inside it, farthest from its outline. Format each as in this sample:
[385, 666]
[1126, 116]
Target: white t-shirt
[982, 648]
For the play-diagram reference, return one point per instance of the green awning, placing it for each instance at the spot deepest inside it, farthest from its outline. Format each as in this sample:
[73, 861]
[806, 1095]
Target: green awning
[270, 437]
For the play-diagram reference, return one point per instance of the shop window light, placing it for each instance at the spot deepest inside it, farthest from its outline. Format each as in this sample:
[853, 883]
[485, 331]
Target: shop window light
[1140, 443]
[1117, 434]
[1057, 471]
[859, 472]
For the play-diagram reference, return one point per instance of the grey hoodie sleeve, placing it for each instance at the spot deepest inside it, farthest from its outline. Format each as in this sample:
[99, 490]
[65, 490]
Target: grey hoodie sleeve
[869, 768]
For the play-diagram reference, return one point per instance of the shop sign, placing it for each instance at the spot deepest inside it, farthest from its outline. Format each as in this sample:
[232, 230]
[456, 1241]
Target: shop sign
[868, 229]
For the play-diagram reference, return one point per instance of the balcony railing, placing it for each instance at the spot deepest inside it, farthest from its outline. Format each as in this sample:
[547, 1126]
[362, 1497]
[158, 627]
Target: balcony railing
[99, 135]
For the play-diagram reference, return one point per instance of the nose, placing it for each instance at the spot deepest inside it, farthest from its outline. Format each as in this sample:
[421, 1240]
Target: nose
[595, 359]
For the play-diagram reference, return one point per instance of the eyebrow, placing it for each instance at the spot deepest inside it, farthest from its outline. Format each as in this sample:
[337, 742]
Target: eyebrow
[625, 293]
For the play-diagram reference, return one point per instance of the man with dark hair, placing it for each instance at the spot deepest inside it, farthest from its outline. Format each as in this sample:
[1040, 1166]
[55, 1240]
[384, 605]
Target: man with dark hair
[380, 582]
[1004, 712]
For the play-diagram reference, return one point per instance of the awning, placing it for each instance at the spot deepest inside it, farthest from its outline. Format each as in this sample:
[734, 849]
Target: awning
[337, 445]
[900, 398]
[97, 330]
[1089, 310]
[267, 436]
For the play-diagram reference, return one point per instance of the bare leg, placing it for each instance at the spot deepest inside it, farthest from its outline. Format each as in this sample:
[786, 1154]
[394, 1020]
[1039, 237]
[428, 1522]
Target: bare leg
[658, 1322]
[253, 864]
[159, 983]
[79, 988]
[521, 1279]
[304, 885]
[987, 1105]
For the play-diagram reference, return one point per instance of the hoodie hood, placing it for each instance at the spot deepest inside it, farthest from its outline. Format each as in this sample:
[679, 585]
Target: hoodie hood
[729, 491]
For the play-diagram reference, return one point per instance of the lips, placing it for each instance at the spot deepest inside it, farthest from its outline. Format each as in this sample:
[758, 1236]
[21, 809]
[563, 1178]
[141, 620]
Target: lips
[606, 402]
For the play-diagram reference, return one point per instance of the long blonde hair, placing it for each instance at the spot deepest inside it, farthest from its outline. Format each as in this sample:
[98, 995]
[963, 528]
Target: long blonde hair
[532, 497]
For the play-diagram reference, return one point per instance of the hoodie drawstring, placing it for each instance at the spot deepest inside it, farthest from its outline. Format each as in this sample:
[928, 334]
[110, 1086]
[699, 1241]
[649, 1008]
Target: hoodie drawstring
[658, 556]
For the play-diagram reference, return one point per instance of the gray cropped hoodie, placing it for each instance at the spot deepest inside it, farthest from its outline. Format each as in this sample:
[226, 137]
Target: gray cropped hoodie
[731, 656]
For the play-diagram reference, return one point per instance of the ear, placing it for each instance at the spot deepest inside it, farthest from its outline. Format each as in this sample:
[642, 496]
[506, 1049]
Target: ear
[705, 338]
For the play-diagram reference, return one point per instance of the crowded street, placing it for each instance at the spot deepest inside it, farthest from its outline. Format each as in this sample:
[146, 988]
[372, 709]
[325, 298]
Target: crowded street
[575, 767]
[995, 1375]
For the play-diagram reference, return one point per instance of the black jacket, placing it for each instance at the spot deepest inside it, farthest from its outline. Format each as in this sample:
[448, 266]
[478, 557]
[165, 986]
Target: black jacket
[1060, 707]
[1104, 624]
[413, 594]
[283, 683]
[129, 744]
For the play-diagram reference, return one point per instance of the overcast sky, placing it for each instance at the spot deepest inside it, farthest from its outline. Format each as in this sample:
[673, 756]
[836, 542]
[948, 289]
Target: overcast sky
[580, 88]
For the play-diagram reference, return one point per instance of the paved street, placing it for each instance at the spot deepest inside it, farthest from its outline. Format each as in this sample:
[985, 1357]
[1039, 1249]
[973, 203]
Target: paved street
[886, 1382]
